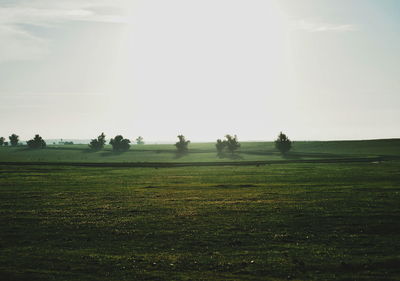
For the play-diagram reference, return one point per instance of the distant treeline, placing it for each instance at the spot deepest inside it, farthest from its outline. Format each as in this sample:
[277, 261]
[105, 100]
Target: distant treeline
[225, 147]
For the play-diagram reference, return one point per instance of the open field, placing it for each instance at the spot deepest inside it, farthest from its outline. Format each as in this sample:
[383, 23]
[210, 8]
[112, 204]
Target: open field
[335, 221]
[204, 152]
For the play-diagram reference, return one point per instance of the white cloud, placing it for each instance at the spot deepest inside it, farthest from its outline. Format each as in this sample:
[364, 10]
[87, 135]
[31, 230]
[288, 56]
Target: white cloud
[310, 26]
[18, 43]
[44, 16]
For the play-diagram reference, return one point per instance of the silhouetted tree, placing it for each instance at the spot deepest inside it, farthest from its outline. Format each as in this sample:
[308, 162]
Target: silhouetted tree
[182, 145]
[283, 143]
[120, 144]
[6, 143]
[36, 142]
[98, 144]
[229, 144]
[139, 140]
[220, 145]
[2, 140]
[232, 143]
[14, 139]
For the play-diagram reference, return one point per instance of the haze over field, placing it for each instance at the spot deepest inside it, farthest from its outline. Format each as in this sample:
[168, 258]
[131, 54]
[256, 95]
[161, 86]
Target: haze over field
[315, 69]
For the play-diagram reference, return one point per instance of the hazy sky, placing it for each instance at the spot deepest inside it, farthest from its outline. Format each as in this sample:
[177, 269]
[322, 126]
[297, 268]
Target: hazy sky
[315, 69]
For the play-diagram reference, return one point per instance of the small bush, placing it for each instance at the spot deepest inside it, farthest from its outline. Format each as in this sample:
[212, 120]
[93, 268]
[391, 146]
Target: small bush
[283, 143]
[36, 143]
[14, 139]
[230, 144]
[182, 145]
[98, 144]
[120, 144]
[139, 140]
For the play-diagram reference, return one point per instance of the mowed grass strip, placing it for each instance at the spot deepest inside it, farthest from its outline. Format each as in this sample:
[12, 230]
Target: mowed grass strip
[276, 222]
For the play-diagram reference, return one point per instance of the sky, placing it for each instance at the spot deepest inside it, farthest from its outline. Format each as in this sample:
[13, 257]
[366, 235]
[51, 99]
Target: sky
[314, 69]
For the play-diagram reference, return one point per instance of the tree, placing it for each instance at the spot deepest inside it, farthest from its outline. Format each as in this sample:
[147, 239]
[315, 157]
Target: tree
[36, 143]
[120, 144]
[2, 140]
[283, 143]
[220, 145]
[14, 139]
[230, 144]
[182, 145]
[139, 140]
[98, 144]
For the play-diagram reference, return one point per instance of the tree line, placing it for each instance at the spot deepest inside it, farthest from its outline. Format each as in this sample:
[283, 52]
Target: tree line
[225, 147]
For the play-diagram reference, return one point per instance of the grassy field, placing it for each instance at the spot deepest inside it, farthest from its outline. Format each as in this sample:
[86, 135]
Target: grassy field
[203, 152]
[296, 221]
[273, 222]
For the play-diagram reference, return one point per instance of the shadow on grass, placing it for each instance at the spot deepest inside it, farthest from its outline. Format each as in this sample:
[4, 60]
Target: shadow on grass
[21, 149]
[179, 155]
[112, 153]
[88, 150]
[24, 149]
[300, 155]
[66, 148]
[233, 185]
[296, 155]
[49, 148]
[230, 156]
[291, 156]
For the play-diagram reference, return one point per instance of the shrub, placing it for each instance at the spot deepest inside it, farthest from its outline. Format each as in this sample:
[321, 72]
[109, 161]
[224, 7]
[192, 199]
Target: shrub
[230, 144]
[98, 144]
[182, 145]
[14, 139]
[283, 143]
[120, 144]
[139, 140]
[36, 143]
[220, 145]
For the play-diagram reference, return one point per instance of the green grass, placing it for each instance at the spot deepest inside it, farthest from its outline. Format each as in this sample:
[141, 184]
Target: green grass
[274, 222]
[203, 152]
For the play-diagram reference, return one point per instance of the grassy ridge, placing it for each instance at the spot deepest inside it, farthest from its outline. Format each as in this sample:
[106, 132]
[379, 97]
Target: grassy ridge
[280, 222]
[203, 152]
